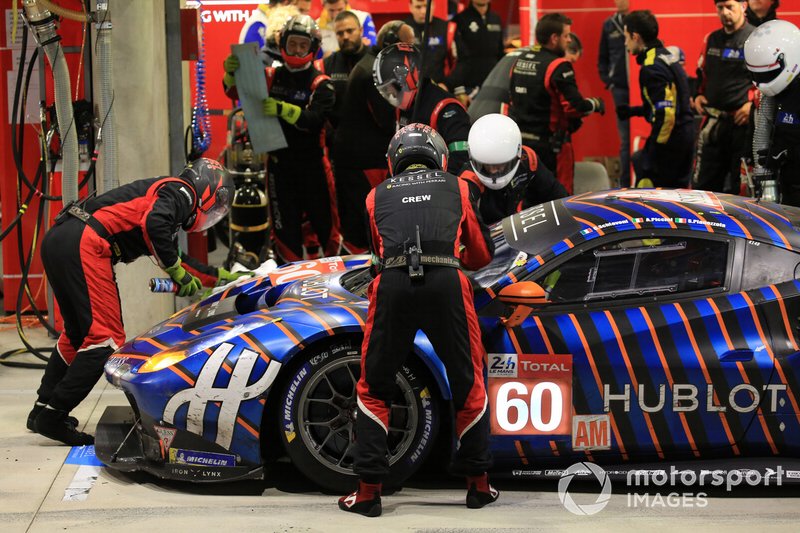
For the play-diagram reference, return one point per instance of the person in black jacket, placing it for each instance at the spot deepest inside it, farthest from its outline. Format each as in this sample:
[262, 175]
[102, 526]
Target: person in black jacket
[478, 47]
[79, 252]
[612, 64]
[505, 176]
[761, 11]
[421, 233]
[724, 99]
[340, 63]
[300, 177]
[366, 125]
[667, 157]
[439, 59]
[396, 76]
[545, 100]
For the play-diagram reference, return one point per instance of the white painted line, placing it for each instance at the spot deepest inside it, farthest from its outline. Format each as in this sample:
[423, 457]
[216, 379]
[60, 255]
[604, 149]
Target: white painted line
[81, 484]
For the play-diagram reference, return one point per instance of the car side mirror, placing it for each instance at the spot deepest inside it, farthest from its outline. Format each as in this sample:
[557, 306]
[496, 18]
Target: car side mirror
[521, 297]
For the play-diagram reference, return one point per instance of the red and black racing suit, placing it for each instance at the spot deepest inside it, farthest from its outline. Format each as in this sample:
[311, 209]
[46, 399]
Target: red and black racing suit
[300, 175]
[544, 98]
[438, 109]
[138, 219]
[440, 304]
[532, 184]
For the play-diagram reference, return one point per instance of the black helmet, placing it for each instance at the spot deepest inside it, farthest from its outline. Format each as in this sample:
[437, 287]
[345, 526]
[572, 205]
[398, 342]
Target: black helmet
[396, 74]
[304, 26]
[213, 187]
[417, 144]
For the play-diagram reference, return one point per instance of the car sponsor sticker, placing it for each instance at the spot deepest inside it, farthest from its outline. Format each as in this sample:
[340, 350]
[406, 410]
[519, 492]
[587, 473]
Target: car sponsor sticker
[195, 457]
[288, 405]
[591, 432]
[531, 394]
[705, 198]
[166, 435]
[306, 269]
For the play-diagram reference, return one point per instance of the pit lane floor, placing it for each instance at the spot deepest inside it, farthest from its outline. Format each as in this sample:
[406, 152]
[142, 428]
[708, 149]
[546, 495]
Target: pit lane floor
[34, 478]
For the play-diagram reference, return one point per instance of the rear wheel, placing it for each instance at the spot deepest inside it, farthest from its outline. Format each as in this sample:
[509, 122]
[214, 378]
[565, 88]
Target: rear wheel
[318, 409]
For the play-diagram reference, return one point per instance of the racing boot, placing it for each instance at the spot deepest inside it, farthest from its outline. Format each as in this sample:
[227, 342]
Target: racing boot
[54, 424]
[365, 501]
[37, 408]
[479, 492]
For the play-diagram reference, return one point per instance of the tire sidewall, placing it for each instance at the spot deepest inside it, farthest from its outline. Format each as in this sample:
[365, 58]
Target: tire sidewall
[291, 409]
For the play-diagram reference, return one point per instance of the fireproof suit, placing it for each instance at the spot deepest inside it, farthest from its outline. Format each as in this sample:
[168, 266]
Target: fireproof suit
[544, 99]
[440, 304]
[438, 109]
[300, 175]
[138, 219]
[668, 155]
[786, 137]
[365, 128]
[532, 184]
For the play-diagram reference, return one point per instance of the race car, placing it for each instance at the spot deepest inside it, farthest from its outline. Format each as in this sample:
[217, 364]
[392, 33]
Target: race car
[626, 327]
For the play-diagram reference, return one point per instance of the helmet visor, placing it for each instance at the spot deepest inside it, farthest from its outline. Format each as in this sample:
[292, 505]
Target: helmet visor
[763, 75]
[492, 173]
[206, 218]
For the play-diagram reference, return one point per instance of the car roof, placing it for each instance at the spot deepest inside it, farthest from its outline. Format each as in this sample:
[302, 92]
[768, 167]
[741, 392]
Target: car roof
[562, 224]
[548, 230]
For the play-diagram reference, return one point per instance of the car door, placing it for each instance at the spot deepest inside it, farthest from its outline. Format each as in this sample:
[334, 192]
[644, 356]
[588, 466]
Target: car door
[663, 362]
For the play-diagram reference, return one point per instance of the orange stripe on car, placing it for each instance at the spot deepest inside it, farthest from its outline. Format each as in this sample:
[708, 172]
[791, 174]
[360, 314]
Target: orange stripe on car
[671, 381]
[589, 225]
[634, 381]
[617, 211]
[353, 313]
[521, 452]
[596, 374]
[183, 376]
[698, 354]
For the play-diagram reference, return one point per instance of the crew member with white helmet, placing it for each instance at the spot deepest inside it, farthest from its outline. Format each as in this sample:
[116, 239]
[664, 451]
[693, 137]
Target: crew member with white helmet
[772, 54]
[504, 175]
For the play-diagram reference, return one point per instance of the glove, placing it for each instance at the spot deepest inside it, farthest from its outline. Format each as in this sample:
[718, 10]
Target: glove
[623, 111]
[598, 106]
[188, 284]
[224, 277]
[231, 64]
[277, 108]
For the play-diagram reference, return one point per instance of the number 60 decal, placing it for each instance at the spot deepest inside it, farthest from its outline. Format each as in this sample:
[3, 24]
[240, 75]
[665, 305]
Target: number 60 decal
[530, 407]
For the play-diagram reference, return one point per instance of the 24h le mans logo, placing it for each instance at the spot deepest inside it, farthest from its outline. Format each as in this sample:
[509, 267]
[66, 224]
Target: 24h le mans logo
[230, 397]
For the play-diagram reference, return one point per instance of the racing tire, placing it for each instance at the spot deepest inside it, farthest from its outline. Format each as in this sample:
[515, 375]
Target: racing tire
[317, 416]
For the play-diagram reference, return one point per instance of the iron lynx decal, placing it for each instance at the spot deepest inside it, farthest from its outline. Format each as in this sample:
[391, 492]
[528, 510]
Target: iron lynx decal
[530, 394]
[229, 397]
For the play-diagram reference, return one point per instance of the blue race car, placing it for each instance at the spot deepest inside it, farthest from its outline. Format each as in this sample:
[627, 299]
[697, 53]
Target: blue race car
[625, 327]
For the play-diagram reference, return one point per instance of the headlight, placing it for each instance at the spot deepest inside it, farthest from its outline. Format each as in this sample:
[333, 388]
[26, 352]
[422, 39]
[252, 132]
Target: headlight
[161, 361]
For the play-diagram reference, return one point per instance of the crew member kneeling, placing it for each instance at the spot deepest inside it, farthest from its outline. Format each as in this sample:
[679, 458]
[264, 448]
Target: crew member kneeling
[419, 286]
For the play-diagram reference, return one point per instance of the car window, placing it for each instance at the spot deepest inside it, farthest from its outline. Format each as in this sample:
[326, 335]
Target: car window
[639, 267]
[767, 265]
[504, 259]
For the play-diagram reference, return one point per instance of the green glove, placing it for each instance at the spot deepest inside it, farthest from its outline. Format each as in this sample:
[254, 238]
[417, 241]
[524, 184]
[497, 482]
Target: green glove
[231, 64]
[188, 284]
[277, 108]
[224, 277]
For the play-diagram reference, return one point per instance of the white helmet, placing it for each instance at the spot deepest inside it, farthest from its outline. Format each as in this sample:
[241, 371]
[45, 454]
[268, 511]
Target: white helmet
[772, 53]
[495, 146]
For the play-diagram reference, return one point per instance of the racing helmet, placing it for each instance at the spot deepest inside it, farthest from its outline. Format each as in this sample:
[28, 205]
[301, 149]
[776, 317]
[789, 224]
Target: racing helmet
[213, 187]
[416, 144]
[396, 74]
[772, 54]
[495, 147]
[304, 26]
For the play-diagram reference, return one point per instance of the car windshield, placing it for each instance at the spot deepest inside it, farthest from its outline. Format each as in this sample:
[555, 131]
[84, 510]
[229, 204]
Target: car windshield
[504, 259]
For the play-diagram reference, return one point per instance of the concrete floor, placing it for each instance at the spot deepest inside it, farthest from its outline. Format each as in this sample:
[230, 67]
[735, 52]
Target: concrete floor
[33, 480]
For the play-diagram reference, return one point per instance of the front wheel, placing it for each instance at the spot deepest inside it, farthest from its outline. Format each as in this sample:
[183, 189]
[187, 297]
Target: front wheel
[318, 409]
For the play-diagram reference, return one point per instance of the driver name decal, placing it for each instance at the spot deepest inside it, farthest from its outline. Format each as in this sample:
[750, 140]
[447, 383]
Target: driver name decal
[230, 397]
